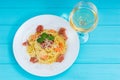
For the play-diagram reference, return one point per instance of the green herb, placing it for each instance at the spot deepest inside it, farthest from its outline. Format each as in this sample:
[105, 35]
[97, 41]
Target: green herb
[40, 40]
[45, 36]
[50, 37]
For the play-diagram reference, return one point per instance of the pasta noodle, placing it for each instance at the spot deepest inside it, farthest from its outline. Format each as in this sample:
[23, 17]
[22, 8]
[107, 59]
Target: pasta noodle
[48, 50]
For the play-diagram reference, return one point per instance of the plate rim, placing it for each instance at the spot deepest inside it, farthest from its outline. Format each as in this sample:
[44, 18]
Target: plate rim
[31, 72]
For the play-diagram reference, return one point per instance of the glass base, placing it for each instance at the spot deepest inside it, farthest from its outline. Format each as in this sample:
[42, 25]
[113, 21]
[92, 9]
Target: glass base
[65, 16]
[83, 37]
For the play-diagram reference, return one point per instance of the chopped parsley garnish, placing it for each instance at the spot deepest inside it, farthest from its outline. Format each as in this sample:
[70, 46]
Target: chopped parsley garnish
[40, 40]
[50, 37]
[45, 36]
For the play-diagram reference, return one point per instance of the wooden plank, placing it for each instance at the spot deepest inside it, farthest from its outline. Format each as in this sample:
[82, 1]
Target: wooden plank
[89, 54]
[6, 54]
[77, 71]
[101, 35]
[101, 54]
[105, 35]
[6, 36]
[18, 16]
[55, 3]
[9, 16]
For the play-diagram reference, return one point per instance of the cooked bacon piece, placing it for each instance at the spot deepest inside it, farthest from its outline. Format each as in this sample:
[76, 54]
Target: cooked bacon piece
[65, 36]
[60, 58]
[63, 33]
[33, 59]
[39, 28]
[25, 43]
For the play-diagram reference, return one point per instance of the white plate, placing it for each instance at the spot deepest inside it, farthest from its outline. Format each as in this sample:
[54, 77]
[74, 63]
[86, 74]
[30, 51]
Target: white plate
[49, 22]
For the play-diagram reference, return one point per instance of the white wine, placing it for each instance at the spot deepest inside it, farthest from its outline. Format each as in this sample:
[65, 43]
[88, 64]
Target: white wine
[83, 19]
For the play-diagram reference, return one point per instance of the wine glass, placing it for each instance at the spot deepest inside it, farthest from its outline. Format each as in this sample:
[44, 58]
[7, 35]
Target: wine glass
[83, 19]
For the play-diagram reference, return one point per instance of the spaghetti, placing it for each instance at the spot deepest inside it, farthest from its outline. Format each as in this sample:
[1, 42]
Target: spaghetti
[46, 45]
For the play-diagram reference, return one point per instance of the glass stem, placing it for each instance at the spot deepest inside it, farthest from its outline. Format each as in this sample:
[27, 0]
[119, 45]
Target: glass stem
[83, 37]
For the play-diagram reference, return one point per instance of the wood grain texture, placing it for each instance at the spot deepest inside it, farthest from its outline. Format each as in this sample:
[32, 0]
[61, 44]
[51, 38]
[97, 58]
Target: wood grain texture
[101, 35]
[55, 3]
[107, 17]
[77, 71]
[98, 59]
[89, 54]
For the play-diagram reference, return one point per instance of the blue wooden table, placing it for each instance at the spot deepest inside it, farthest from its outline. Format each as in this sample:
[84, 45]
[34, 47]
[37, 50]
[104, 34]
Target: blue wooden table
[99, 58]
